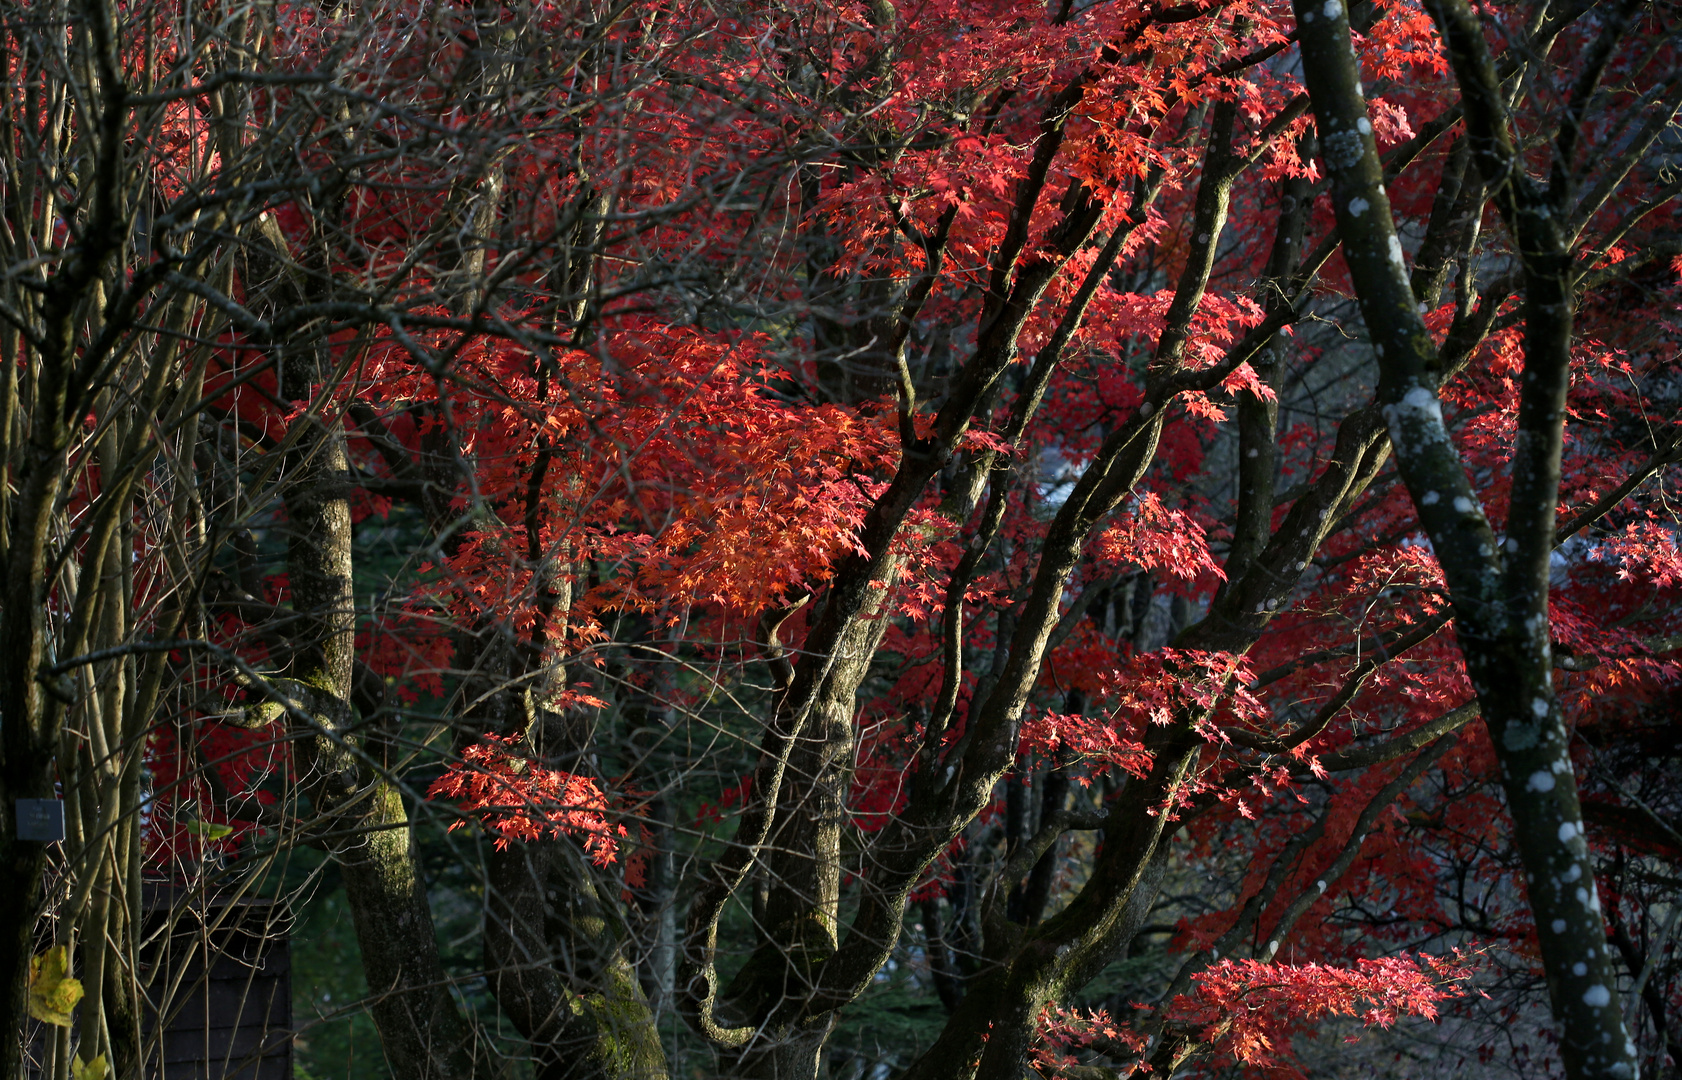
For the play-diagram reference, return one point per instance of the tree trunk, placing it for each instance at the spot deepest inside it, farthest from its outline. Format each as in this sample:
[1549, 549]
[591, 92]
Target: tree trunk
[421, 1027]
[1499, 588]
[559, 971]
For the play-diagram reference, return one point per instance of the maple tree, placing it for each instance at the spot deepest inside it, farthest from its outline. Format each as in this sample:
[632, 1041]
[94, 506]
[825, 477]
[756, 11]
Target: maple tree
[1148, 528]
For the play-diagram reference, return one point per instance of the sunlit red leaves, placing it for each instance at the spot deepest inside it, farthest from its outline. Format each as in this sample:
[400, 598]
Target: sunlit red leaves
[1149, 535]
[674, 464]
[1408, 569]
[1404, 45]
[1140, 692]
[518, 799]
[1643, 552]
[1251, 1009]
[1098, 744]
[754, 499]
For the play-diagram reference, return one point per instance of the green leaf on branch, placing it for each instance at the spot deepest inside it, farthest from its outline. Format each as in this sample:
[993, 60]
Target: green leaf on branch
[89, 1070]
[52, 992]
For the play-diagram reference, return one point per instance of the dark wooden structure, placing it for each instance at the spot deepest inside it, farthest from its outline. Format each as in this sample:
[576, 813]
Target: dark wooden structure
[220, 973]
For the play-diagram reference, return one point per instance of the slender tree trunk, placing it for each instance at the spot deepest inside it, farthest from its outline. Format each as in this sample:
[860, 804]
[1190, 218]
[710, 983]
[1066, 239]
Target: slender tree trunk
[1499, 587]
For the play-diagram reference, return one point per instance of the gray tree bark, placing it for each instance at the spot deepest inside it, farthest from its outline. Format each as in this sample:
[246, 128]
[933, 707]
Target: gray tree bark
[1499, 587]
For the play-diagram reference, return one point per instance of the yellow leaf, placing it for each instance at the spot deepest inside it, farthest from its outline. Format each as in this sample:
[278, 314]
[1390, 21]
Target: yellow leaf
[88, 1070]
[208, 829]
[52, 992]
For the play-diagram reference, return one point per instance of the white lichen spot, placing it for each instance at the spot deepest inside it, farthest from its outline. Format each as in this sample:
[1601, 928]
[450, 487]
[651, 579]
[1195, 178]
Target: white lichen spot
[1539, 706]
[1579, 968]
[1567, 831]
[1422, 402]
[1332, 9]
[1272, 947]
[1250, 453]
[1341, 149]
[1358, 206]
[1563, 765]
[1558, 926]
[1540, 780]
[1396, 251]
[1573, 874]
[1430, 498]
[1365, 125]
[1463, 505]
[1596, 996]
[1321, 885]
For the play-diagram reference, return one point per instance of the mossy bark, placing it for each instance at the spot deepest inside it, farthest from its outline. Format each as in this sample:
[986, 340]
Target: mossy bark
[554, 951]
[421, 1027]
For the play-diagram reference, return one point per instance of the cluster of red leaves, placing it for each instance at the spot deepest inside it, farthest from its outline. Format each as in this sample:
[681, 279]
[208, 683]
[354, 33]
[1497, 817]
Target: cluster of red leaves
[1250, 1010]
[1151, 536]
[1062, 1030]
[1102, 744]
[1142, 691]
[188, 825]
[1153, 688]
[676, 466]
[518, 799]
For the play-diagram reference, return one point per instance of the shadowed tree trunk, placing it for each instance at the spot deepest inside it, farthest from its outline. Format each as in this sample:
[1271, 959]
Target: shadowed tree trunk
[1499, 586]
